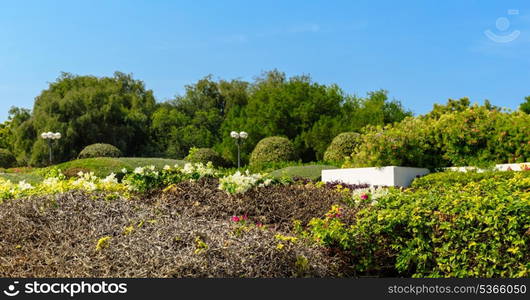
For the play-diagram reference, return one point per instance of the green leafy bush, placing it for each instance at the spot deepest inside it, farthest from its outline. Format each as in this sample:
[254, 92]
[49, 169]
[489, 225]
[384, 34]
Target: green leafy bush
[7, 159]
[100, 150]
[205, 155]
[409, 143]
[273, 149]
[476, 136]
[342, 146]
[472, 228]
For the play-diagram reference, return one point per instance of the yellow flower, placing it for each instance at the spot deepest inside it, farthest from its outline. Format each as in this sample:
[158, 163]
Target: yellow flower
[103, 243]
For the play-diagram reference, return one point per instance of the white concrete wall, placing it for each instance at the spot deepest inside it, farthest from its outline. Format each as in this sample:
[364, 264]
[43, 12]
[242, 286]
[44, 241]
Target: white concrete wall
[388, 176]
[404, 176]
[395, 176]
[500, 167]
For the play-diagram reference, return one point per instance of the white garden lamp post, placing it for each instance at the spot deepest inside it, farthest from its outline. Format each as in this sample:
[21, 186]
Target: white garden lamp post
[239, 138]
[50, 137]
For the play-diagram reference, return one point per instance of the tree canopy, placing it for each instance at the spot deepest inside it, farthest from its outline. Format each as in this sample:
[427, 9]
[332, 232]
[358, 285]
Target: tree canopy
[87, 110]
[120, 111]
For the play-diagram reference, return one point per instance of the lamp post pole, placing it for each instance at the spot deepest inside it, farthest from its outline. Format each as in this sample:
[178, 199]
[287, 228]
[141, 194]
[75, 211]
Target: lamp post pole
[239, 138]
[50, 137]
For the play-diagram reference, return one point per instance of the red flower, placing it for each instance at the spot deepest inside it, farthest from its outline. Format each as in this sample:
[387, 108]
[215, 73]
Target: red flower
[259, 224]
[244, 217]
[364, 196]
[235, 219]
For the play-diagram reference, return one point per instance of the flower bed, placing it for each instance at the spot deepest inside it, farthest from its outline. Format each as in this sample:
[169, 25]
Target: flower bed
[194, 221]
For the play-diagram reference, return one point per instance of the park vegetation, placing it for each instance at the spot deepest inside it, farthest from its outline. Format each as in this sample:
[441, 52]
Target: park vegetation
[141, 188]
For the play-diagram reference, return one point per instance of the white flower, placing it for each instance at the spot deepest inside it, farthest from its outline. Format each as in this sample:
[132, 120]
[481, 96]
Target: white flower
[243, 135]
[89, 186]
[23, 185]
[51, 181]
[110, 179]
[151, 167]
[139, 170]
[188, 169]
[240, 183]
[167, 168]
[124, 171]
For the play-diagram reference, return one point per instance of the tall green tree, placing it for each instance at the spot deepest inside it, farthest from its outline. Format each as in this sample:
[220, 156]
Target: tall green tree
[525, 106]
[195, 119]
[86, 110]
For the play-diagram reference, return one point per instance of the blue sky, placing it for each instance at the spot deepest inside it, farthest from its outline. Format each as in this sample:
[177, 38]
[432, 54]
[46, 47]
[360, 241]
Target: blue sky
[422, 52]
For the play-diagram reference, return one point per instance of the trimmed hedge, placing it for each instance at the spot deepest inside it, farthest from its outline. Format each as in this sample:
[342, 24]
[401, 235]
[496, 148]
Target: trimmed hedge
[7, 159]
[342, 146]
[100, 150]
[205, 155]
[273, 149]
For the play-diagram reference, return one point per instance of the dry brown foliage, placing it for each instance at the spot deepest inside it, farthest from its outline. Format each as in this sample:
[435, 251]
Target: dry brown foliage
[183, 232]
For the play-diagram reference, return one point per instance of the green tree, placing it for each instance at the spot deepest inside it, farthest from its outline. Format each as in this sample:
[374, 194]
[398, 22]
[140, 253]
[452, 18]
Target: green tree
[195, 119]
[525, 106]
[86, 110]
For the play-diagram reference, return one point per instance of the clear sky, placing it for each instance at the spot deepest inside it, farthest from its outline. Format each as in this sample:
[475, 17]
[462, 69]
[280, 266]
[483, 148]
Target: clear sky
[422, 52]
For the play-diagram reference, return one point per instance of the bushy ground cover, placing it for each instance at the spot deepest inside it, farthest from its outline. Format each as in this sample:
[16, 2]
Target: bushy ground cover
[447, 225]
[197, 221]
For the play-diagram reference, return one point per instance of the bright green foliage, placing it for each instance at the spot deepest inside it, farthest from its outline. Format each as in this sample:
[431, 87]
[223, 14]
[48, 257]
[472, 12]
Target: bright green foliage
[100, 150]
[342, 146]
[468, 228]
[478, 135]
[409, 143]
[7, 159]
[205, 155]
[195, 119]
[273, 149]
[308, 113]
[87, 110]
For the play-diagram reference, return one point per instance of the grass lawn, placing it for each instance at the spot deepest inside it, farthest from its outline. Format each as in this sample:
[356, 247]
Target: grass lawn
[101, 167]
[311, 172]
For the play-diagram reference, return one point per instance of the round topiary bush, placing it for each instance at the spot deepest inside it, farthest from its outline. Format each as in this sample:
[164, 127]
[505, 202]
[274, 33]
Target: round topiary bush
[273, 149]
[100, 150]
[342, 146]
[7, 159]
[205, 155]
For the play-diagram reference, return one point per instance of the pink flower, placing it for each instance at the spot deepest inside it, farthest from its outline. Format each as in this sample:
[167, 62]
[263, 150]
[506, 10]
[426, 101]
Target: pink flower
[235, 219]
[259, 224]
[364, 196]
[244, 217]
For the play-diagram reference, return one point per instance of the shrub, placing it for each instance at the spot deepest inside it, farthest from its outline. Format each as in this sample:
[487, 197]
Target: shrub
[275, 206]
[100, 150]
[409, 143]
[476, 136]
[342, 146]
[205, 155]
[272, 149]
[477, 228]
[94, 234]
[7, 159]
